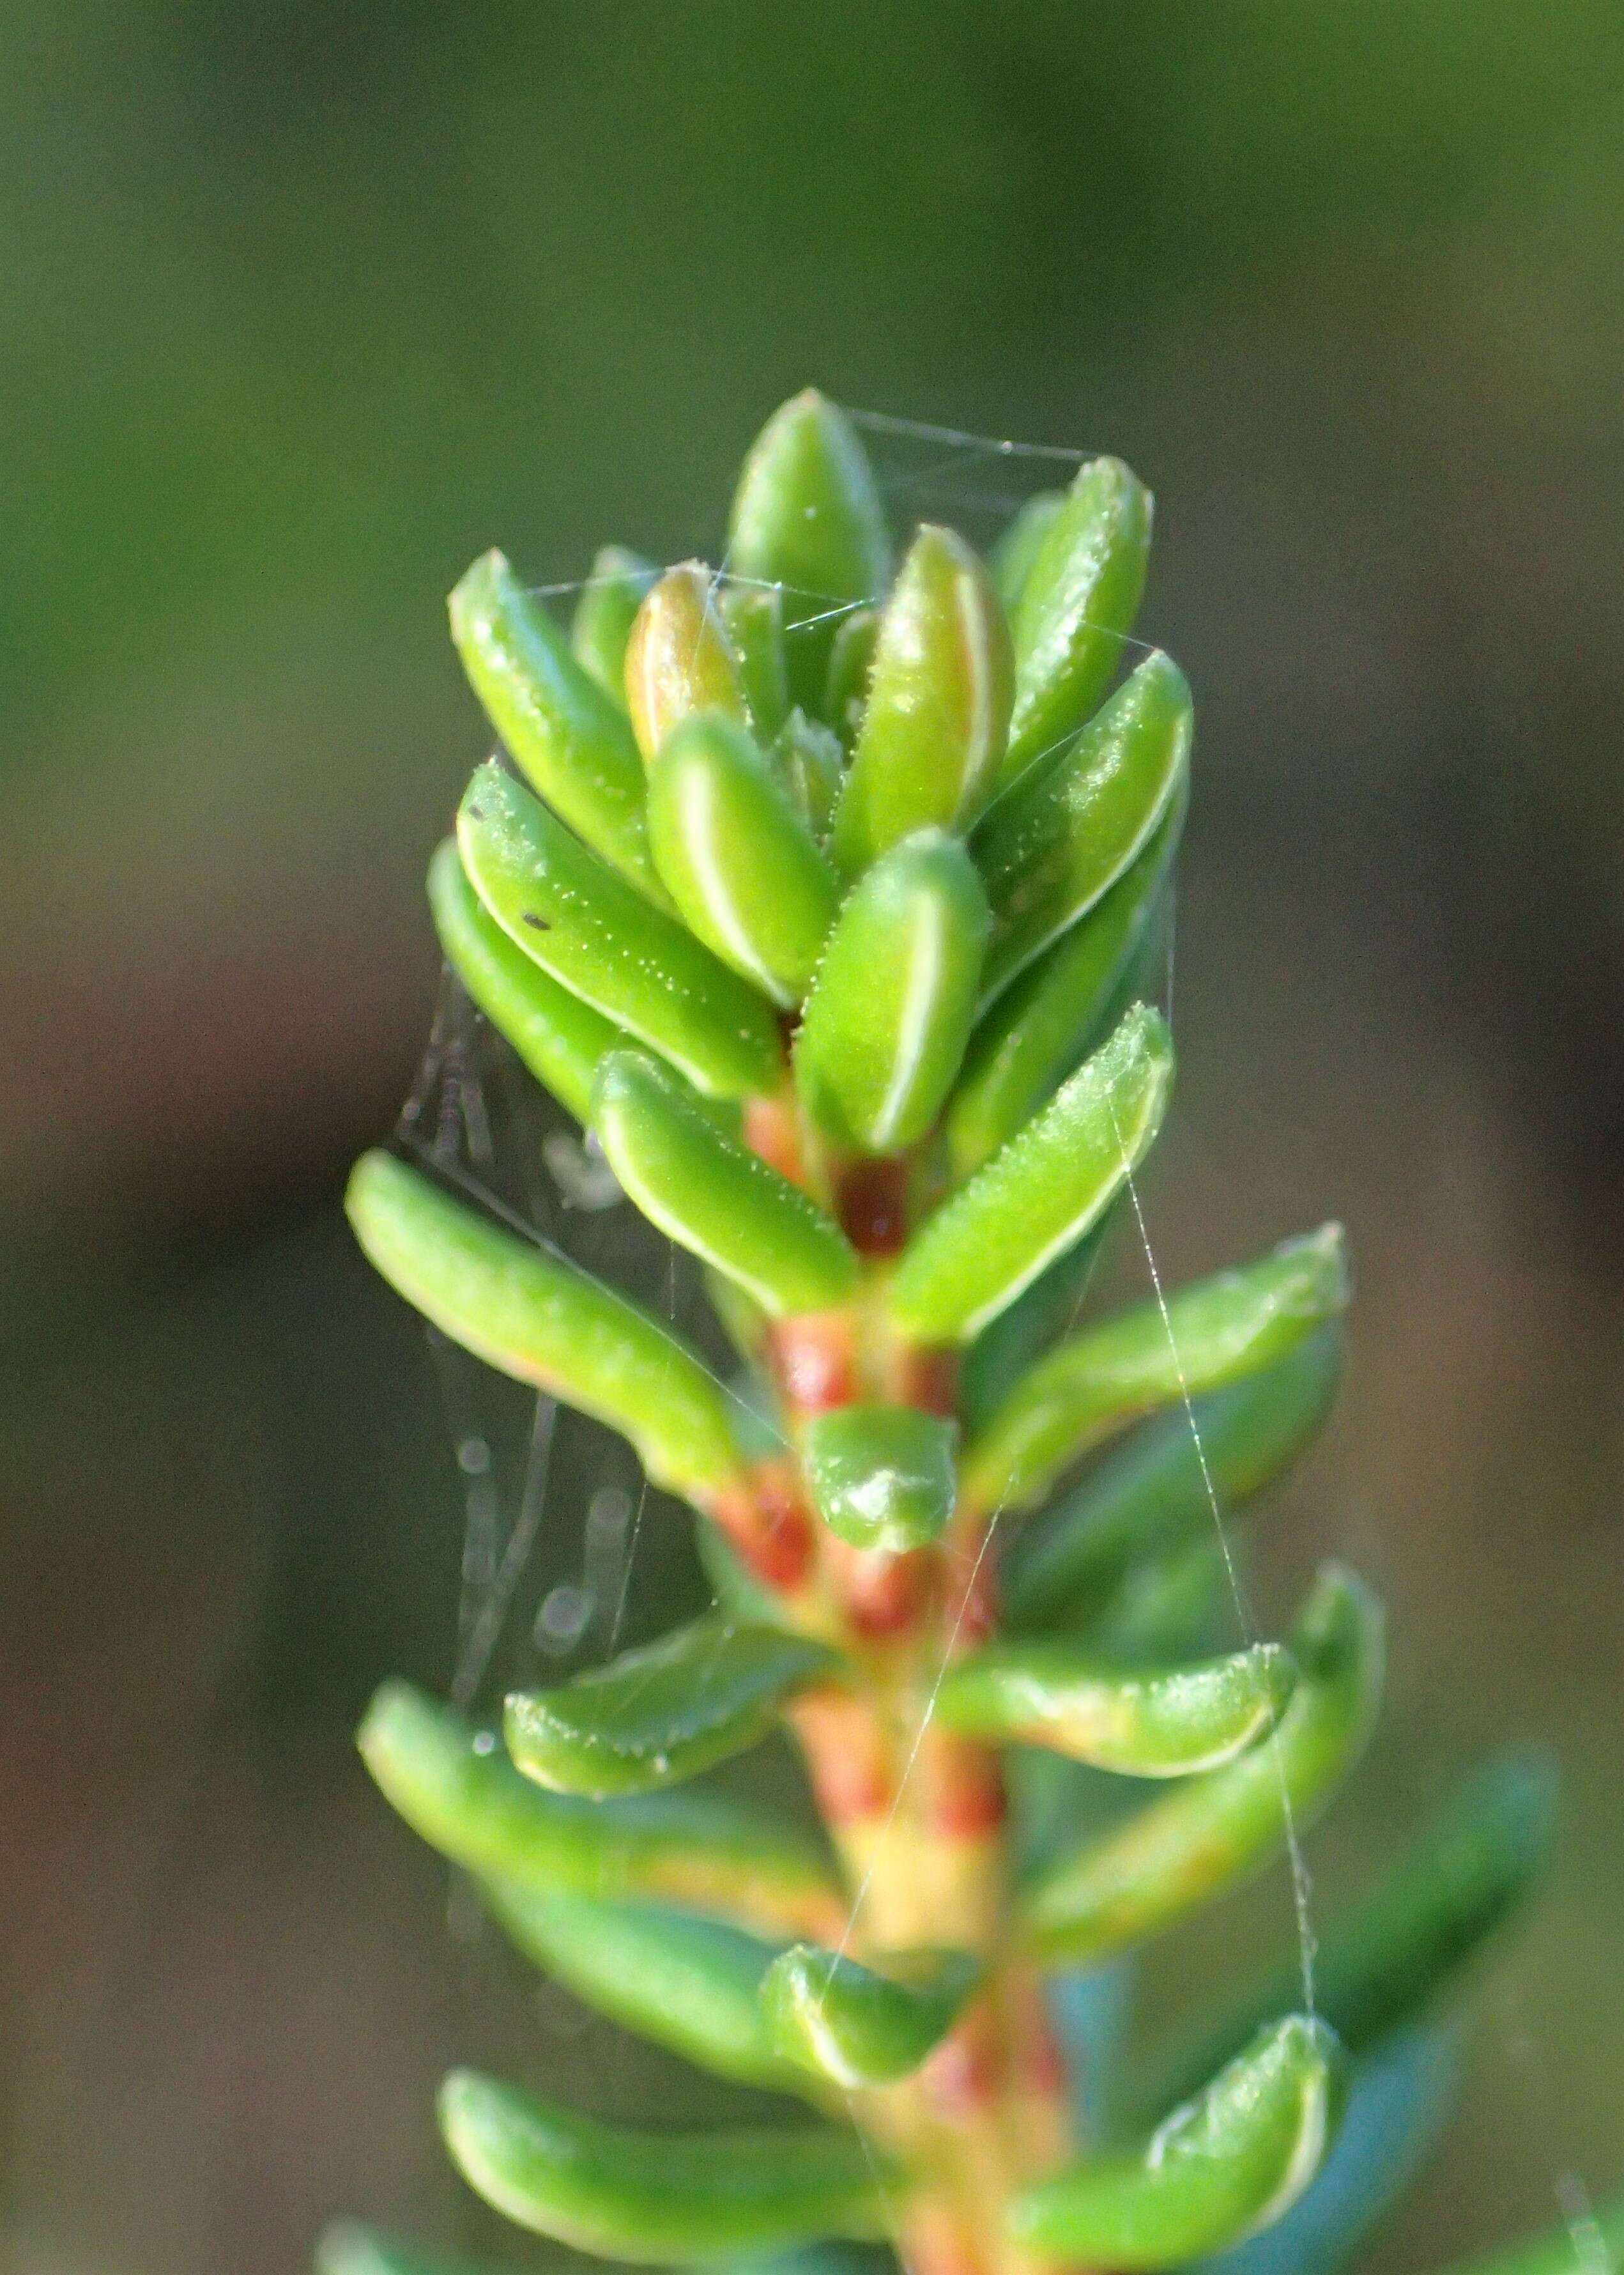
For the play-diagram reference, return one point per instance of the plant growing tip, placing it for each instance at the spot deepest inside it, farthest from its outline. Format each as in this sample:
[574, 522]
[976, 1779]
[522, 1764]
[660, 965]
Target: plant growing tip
[807, 515]
[826, 904]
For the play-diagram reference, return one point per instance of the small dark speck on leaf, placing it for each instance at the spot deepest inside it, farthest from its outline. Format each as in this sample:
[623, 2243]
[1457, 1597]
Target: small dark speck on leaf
[478, 811]
[540, 923]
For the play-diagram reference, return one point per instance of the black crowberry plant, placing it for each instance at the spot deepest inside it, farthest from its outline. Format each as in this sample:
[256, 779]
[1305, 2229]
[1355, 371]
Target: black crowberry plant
[822, 894]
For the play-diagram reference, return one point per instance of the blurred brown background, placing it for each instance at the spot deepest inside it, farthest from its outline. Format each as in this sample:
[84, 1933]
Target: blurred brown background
[305, 305]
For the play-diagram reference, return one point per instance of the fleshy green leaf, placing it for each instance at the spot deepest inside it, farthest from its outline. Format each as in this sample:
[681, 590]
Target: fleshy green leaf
[1221, 1329]
[1047, 1306]
[604, 616]
[566, 735]
[1077, 603]
[459, 1792]
[855, 2025]
[807, 515]
[1034, 1036]
[851, 659]
[560, 1038]
[881, 1476]
[1145, 1722]
[1157, 1494]
[689, 1983]
[663, 1711]
[808, 760]
[679, 658]
[889, 1012]
[1399, 2102]
[939, 690]
[1221, 2167]
[1382, 1965]
[713, 1195]
[736, 859]
[754, 617]
[1056, 841]
[1012, 557]
[1213, 1833]
[541, 1319]
[627, 2194]
[596, 938]
[1039, 1193]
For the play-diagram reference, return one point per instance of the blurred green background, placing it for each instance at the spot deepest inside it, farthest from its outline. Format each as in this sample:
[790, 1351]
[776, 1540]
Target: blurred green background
[305, 306]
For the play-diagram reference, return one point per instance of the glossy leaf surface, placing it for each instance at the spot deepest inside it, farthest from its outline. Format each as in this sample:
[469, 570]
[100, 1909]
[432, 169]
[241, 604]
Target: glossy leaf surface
[457, 1788]
[1033, 1035]
[713, 1195]
[1056, 841]
[1213, 1833]
[1157, 1494]
[881, 1476]
[568, 737]
[938, 708]
[1399, 2102]
[680, 659]
[535, 1316]
[807, 515]
[1214, 1332]
[689, 1983]
[604, 616]
[594, 934]
[624, 2193]
[1012, 557]
[560, 1038]
[1039, 1193]
[738, 859]
[664, 1711]
[1078, 599]
[885, 1026]
[858, 2026]
[808, 761]
[754, 618]
[1224, 2165]
[1150, 1722]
